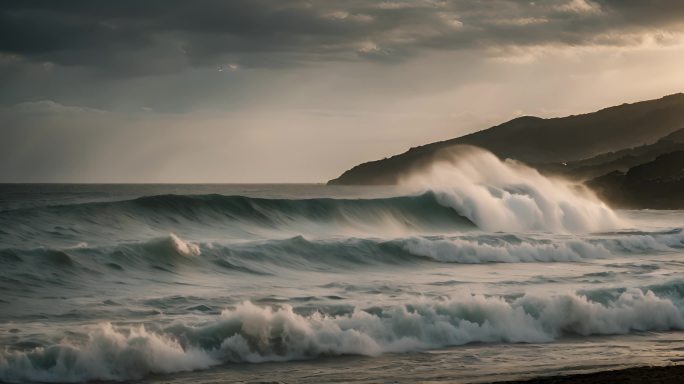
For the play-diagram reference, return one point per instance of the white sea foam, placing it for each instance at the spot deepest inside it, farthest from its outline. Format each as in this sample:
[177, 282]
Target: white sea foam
[184, 248]
[109, 354]
[476, 252]
[493, 249]
[249, 333]
[509, 196]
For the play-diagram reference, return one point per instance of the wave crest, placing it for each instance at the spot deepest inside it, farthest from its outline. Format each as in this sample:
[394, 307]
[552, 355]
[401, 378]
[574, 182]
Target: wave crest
[509, 196]
[267, 257]
[108, 354]
[249, 333]
[182, 247]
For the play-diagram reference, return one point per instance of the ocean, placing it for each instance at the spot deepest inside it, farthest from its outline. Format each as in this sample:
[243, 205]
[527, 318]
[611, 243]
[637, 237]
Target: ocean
[459, 275]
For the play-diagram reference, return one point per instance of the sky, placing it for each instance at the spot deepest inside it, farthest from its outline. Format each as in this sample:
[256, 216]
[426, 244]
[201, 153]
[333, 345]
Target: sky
[298, 91]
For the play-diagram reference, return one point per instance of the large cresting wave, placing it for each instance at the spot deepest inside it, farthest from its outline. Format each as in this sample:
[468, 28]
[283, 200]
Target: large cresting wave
[509, 196]
[466, 188]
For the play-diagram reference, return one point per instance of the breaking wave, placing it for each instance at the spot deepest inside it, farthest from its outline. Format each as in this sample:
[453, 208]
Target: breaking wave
[264, 257]
[510, 196]
[471, 209]
[472, 189]
[251, 333]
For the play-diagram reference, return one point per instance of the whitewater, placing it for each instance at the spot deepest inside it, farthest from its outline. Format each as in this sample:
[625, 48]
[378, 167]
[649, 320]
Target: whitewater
[472, 269]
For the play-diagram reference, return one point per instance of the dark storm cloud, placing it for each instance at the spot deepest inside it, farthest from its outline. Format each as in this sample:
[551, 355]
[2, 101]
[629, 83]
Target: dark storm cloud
[131, 37]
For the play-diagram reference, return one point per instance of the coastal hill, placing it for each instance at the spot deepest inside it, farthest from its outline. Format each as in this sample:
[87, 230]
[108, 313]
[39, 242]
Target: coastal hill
[658, 184]
[644, 129]
[620, 161]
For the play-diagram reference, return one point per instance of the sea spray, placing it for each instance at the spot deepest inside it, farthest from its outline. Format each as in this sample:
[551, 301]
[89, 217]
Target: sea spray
[509, 196]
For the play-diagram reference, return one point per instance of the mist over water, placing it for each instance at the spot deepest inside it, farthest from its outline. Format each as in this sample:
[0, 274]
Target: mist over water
[510, 196]
[123, 282]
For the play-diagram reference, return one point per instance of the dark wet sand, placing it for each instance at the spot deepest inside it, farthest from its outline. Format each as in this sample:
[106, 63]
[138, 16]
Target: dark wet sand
[661, 375]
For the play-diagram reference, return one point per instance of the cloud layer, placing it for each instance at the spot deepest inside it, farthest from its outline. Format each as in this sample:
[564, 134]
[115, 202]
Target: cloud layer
[130, 38]
[297, 90]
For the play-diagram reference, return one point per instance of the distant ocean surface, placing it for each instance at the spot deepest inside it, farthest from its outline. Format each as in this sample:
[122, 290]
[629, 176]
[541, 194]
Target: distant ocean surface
[472, 280]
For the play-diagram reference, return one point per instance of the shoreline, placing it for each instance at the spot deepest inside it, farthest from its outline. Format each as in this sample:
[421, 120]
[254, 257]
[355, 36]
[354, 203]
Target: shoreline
[646, 374]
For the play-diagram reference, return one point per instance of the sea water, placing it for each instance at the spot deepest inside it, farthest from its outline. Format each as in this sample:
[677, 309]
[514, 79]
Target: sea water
[476, 271]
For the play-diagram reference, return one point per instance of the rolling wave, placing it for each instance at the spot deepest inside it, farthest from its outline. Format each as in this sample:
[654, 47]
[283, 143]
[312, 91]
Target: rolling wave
[228, 216]
[264, 257]
[251, 333]
[309, 267]
[470, 189]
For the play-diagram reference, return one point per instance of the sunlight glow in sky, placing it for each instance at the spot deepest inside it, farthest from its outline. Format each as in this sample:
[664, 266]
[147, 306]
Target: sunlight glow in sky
[299, 91]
